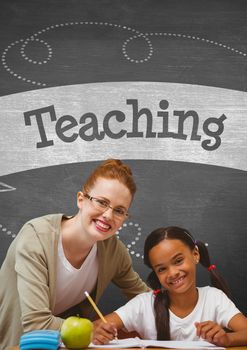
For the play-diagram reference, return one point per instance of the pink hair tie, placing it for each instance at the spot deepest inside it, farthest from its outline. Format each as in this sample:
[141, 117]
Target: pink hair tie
[211, 267]
[157, 291]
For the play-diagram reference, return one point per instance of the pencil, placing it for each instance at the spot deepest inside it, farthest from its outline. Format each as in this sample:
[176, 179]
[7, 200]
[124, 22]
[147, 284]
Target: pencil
[97, 310]
[95, 307]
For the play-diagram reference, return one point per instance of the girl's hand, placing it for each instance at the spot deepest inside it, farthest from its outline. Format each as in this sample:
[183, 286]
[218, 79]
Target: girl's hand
[213, 333]
[103, 332]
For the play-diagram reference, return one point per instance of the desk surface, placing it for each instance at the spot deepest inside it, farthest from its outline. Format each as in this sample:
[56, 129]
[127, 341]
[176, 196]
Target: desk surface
[231, 348]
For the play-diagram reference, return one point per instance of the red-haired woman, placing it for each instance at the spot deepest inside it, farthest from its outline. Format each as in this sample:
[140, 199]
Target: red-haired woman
[55, 258]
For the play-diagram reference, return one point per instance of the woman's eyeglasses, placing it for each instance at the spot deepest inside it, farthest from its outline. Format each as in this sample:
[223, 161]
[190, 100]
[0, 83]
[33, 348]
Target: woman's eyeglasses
[103, 205]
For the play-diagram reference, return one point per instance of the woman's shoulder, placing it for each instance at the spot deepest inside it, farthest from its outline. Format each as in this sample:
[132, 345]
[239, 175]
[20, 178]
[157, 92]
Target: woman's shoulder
[38, 233]
[41, 226]
[51, 220]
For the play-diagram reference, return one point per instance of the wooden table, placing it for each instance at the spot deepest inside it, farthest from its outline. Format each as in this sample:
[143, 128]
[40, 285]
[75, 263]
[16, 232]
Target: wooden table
[231, 348]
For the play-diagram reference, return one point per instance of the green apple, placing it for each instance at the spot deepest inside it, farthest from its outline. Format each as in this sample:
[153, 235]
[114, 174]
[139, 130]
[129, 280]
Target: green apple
[76, 332]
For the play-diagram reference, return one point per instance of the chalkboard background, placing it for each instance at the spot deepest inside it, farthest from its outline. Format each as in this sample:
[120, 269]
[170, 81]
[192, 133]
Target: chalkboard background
[208, 200]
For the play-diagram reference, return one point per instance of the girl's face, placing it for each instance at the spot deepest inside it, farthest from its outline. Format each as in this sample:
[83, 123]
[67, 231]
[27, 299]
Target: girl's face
[175, 265]
[101, 223]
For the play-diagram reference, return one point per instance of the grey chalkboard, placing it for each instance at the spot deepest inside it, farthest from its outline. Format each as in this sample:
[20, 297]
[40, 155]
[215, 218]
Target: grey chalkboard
[46, 44]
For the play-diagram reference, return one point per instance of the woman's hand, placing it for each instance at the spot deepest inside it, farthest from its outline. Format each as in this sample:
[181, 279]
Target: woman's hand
[103, 332]
[213, 333]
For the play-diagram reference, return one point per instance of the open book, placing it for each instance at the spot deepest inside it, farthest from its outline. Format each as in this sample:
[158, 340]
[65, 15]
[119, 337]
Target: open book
[169, 344]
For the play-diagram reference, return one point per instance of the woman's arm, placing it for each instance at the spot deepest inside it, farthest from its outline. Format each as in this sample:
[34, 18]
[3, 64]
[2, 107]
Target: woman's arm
[125, 277]
[35, 280]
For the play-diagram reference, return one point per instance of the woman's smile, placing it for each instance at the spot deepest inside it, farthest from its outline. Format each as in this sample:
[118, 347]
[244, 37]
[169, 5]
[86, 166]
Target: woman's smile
[102, 225]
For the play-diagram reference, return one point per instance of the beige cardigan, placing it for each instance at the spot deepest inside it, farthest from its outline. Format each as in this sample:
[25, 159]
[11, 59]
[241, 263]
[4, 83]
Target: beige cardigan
[28, 279]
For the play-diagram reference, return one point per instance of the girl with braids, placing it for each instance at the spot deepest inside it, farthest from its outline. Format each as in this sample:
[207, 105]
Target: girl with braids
[176, 309]
[55, 258]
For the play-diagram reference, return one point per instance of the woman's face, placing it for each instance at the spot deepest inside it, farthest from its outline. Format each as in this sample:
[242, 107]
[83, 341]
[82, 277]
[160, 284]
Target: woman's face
[101, 223]
[175, 265]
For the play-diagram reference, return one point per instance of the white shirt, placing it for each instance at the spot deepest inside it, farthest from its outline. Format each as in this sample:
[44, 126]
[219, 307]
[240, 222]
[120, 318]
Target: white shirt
[212, 305]
[71, 282]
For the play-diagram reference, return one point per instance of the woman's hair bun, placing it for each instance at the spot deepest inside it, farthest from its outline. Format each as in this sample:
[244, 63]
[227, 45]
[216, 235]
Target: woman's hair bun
[117, 163]
[112, 169]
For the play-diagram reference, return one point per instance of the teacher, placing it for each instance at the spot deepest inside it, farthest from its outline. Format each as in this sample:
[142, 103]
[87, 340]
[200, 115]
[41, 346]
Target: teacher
[55, 258]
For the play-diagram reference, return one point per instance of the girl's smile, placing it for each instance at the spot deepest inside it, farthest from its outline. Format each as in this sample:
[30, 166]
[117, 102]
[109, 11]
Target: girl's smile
[177, 282]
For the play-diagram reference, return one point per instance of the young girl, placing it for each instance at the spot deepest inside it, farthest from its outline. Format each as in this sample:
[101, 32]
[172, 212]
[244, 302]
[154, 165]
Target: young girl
[55, 258]
[177, 309]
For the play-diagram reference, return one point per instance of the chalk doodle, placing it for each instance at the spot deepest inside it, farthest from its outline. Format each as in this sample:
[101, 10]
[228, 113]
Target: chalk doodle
[23, 44]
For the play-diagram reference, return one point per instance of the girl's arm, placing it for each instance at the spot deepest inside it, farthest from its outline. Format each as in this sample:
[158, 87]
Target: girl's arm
[238, 324]
[104, 332]
[214, 333]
